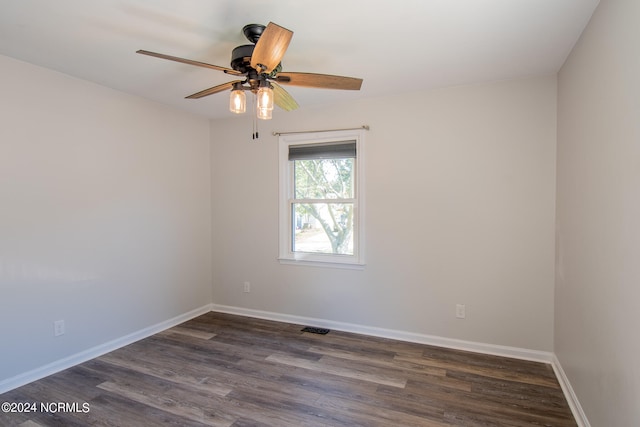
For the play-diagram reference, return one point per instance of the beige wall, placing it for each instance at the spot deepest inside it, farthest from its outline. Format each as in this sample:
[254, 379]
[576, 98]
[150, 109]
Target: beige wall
[460, 208]
[598, 271]
[104, 215]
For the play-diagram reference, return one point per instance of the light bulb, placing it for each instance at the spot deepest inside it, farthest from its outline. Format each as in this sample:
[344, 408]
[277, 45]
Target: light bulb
[265, 97]
[238, 101]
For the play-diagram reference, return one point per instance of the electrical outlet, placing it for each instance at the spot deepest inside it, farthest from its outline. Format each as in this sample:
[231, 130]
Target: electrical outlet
[58, 328]
[460, 311]
[247, 287]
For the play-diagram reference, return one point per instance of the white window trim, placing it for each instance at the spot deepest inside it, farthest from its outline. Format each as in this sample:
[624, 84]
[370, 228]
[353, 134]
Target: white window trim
[286, 255]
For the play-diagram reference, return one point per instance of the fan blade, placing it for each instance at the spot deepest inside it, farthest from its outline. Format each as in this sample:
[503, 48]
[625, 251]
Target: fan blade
[212, 90]
[324, 81]
[190, 62]
[282, 98]
[270, 49]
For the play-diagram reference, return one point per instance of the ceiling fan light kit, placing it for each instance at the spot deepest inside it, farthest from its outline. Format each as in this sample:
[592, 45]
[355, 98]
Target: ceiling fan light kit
[260, 64]
[237, 100]
[265, 96]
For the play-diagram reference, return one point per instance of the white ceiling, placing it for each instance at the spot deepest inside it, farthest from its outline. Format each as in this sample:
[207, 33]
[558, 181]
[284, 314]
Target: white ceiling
[400, 45]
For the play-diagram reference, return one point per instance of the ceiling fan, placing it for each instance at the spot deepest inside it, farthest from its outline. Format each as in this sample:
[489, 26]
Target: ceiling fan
[259, 65]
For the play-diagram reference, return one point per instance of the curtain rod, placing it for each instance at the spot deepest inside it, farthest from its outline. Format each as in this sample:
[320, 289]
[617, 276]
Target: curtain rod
[365, 127]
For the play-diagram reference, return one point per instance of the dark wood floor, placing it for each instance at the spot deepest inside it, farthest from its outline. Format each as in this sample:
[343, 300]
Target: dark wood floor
[225, 370]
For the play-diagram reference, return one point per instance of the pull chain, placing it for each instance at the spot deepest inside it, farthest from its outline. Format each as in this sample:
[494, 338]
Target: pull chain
[255, 134]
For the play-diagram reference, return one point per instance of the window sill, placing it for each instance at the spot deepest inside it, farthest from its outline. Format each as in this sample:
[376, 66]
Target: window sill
[323, 264]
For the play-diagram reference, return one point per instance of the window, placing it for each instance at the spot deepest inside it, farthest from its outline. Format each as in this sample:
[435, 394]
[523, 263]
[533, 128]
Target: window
[321, 198]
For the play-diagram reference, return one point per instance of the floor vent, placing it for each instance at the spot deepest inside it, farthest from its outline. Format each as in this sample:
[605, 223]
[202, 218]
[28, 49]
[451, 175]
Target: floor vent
[313, 330]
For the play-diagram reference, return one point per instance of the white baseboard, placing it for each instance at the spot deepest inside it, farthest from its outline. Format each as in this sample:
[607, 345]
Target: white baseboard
[91, 353]
[572, 399]
[497, 350]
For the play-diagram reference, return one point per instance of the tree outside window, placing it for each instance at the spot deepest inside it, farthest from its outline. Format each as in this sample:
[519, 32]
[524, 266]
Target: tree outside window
[324, 221]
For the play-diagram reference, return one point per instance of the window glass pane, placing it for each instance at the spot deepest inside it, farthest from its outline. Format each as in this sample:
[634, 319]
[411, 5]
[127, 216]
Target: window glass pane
[323, 228]
[323, 179]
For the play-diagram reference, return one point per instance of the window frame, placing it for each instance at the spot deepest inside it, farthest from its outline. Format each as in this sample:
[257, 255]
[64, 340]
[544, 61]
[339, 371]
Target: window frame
[286, 198]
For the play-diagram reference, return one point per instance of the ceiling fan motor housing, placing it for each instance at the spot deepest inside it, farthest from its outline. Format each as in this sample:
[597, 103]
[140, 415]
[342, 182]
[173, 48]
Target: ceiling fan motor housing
[241, 57]
[241, 60]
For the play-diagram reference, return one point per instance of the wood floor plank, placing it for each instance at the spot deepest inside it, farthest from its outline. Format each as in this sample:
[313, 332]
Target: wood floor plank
[225, 370]
[326, 366]
[258, 411]
[474, 405]
[370, 414]
[190, 332]
[187, 408]
[328, 385]
[505, 374]
[201, 378]
[110, 409]
[389, 365]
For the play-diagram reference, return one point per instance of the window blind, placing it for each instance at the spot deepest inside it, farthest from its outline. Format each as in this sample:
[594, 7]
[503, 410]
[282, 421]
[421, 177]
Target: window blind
[332, 150]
